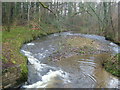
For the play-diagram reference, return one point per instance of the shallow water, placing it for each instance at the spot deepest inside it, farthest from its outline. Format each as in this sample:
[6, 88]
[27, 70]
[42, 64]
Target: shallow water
[71, 71]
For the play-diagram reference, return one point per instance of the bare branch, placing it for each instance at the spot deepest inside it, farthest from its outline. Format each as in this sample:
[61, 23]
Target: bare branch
[46, 7]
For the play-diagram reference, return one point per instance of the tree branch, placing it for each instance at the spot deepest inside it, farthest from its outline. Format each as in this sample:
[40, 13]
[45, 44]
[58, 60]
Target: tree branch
[46, 7]
[95, 14]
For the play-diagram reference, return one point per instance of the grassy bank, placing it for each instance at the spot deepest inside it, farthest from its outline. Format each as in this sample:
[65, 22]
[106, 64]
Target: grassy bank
[112, 65]
[12, 42]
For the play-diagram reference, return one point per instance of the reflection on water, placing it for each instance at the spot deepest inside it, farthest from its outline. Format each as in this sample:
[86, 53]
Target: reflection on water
[73, 71]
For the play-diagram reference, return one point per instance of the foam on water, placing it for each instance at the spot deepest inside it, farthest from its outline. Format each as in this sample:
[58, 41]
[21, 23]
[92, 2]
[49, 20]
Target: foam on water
[30, 44]
[41, 75]
[48, 79]
[115, 47]
[113, 83]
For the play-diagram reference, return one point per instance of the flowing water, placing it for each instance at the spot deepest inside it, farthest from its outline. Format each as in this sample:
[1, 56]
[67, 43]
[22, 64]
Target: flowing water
[48, 69]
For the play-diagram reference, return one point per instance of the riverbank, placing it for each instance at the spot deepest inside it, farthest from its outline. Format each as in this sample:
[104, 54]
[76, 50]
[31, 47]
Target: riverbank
[112, 65]
[11, 56]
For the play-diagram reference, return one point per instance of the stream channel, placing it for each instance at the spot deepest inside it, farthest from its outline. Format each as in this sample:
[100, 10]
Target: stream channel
[69, 60]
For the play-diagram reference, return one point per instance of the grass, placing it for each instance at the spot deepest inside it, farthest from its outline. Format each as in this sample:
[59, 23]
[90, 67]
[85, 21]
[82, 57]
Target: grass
[0, 36]
[112, 65]
[12, 42]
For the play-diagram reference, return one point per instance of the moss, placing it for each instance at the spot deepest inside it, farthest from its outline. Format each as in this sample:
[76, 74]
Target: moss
[24, 71]
[82, 52]
[23, 74]
[112, 65]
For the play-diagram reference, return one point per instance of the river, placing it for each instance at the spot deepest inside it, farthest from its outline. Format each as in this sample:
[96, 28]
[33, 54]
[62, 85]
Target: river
[54, 63]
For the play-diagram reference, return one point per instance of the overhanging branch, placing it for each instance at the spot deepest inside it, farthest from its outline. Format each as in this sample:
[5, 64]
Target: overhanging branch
[46, 7]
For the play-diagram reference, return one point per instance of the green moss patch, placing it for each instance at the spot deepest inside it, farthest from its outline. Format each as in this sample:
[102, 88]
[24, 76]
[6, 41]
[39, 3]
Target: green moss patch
[112, 65]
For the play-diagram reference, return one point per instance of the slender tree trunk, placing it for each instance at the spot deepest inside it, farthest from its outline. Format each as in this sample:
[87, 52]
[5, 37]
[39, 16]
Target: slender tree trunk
[28, 14]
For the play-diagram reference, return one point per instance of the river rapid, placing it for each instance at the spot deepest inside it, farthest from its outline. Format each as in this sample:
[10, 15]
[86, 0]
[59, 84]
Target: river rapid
[54, 64]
